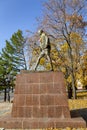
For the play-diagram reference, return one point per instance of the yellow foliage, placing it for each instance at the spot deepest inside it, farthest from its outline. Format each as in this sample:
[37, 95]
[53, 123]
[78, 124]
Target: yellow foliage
[75, 19]
[48, 66]
[82, 94]
[75, 129]
[69, 79]
[54, 54]
[42, 61]
[85, 80]
[77, 104]
[76, 38]
[54, 57]
[68, 128]
[78, 76]
[64, 47]
[63, 70]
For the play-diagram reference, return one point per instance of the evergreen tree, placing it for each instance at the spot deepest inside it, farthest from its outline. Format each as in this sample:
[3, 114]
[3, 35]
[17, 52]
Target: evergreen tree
[14, 51]
[12, 60]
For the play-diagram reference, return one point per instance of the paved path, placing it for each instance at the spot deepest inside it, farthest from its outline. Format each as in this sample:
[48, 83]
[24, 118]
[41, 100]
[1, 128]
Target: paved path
[5, 108]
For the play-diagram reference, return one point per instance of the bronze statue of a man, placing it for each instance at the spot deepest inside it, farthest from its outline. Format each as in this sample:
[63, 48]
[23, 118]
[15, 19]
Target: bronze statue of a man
[45, 48]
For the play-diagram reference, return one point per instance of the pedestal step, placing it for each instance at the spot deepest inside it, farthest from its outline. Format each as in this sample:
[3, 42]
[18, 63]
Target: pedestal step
[40, 123]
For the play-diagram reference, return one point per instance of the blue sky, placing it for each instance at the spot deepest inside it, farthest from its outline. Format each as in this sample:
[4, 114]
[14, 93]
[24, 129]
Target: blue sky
[18, 14]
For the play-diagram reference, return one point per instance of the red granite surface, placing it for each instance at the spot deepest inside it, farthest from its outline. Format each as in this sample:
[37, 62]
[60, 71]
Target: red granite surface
[40, 101]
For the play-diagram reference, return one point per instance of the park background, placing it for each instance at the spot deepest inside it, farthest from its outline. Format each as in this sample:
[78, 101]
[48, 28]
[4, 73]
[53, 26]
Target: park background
[64, 21]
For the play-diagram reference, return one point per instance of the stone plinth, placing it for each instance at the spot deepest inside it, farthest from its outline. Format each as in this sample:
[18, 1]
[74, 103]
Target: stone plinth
[39, 95]
[40, 101]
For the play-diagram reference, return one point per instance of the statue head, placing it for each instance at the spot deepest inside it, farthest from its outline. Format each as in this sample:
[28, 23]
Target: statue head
[40, 31]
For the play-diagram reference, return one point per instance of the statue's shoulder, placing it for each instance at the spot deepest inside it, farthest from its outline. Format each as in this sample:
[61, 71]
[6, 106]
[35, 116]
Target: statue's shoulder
[43, 34]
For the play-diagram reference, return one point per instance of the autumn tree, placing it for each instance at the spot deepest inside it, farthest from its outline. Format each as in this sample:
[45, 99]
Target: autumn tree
[84, 68]
[64, 20]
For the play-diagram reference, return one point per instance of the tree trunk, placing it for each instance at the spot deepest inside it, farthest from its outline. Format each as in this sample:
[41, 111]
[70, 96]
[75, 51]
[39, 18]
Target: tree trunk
[72, 72]
[73, 86]
[69, 91]
[9, 94]
[5, 95]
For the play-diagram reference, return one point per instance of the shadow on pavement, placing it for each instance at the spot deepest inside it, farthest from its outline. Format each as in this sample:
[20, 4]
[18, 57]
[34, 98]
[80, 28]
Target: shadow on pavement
[79, 113]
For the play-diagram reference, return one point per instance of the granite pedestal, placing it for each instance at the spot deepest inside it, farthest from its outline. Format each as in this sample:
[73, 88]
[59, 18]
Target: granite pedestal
[40, 101]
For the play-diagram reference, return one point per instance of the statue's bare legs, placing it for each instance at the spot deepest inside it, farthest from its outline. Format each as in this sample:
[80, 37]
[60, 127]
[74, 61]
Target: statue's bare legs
[43, 52]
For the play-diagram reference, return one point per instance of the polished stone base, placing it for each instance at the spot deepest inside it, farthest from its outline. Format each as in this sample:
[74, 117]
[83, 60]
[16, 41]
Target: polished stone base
[40, 123]
[40, 101]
